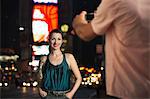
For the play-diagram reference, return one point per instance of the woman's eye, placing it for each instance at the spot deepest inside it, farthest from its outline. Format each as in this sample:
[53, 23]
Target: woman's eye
[52, 39]
[59, 39]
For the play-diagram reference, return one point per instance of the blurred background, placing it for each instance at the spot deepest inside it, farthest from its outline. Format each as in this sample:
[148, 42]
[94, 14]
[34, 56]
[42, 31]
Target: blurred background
[25, 25]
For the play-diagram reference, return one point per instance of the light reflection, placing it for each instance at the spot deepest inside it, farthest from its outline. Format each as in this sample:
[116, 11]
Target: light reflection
[24, 89]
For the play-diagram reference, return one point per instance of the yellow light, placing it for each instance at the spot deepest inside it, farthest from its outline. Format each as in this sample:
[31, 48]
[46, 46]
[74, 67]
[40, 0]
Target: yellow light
[82, 83]
[90, 83]
[35, 83]
[99, 75]
[35, 68]
[84, 79]
[97, 82]
[102, 68]
[13, 68]
[6, 68]
[24, 84]
[64, 28]
[1, 84]
[85, 83]
[90, 70]
[6, 84]
[92, 74]
[82, 68]
[24, 89]
[28, 84]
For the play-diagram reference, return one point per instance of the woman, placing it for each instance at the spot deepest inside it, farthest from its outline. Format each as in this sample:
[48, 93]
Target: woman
[55, 71]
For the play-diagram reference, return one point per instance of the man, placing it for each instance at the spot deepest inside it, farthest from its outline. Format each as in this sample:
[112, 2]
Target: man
[126, 25]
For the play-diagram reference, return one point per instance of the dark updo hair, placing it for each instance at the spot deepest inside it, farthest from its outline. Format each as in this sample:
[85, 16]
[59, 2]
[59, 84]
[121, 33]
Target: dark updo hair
[55, 31]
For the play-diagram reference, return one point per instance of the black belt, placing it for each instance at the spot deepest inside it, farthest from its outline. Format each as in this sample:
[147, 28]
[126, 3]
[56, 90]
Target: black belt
[58, 93]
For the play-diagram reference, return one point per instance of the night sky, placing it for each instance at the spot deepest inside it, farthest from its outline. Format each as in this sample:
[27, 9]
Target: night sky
[9, 24]
[10, 19]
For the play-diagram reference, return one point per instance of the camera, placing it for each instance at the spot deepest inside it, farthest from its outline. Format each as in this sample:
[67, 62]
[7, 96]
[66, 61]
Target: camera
[89, 16]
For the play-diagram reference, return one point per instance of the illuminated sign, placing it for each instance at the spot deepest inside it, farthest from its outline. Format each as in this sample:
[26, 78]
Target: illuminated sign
[45, 1]
[34, 63]
[40, 50]
[44, 19]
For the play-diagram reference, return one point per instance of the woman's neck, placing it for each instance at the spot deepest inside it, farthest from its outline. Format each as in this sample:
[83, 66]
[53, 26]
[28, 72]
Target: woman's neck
[56, 52]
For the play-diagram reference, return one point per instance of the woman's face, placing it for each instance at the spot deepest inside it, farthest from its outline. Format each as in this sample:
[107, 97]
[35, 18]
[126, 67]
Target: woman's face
[56, 41]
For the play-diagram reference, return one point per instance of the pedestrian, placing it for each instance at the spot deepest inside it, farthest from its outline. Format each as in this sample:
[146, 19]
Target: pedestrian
[55, 71]
[126, 26]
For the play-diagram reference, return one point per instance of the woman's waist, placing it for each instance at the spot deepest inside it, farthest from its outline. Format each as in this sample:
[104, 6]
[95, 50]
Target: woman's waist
[57, 92]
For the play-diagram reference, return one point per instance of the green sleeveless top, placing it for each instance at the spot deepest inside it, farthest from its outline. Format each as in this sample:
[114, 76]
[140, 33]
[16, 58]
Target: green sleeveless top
[56, 78]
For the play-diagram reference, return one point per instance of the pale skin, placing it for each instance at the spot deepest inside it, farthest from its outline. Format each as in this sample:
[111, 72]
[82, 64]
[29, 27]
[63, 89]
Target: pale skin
[56, 57]
[83, 28]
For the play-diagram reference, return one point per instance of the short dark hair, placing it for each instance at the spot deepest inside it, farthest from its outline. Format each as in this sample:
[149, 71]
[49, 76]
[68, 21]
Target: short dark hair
[55, 31]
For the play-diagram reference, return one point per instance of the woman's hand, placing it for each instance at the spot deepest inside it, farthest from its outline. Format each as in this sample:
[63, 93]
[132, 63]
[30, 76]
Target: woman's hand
[42, 93]
[69, 95]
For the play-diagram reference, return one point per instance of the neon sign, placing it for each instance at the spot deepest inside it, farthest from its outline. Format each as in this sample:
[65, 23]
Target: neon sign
[44, 19]
[45, 1]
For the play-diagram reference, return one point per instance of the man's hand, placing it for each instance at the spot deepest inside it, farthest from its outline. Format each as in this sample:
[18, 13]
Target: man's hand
[82, 28]
[79, 20]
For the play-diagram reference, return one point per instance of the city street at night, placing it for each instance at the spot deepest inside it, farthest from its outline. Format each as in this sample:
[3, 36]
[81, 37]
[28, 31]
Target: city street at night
[75, 49]
[11, 92]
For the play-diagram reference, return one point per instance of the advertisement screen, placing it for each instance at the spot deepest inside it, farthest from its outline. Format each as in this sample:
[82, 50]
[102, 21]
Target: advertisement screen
[40, 50]
[45, 1]
[44, 19]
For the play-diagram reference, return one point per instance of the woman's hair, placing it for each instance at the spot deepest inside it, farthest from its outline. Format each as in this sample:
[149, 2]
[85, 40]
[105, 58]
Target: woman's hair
[55, 31]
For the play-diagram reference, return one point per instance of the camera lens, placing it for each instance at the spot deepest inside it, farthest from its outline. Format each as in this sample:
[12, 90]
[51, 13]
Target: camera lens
[89, 16]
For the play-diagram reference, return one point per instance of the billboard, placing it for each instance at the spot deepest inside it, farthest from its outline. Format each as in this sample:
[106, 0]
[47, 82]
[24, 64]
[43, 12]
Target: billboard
[40, 50]
[45, 1]
[44, 19]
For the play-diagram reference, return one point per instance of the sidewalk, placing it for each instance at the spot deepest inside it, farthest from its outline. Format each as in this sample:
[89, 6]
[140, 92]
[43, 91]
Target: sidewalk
[12, 92]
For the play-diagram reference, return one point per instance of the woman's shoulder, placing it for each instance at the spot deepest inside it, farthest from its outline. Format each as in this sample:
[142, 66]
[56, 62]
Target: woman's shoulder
[69, 58]
[69, 55]
[43, 58]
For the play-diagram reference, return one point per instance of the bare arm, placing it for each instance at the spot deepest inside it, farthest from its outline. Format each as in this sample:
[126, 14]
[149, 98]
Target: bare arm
[82, 28]
[75, 69]
[40, 76]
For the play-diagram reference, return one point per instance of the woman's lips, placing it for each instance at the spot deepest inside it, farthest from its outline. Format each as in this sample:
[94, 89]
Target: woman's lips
[56, 45]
